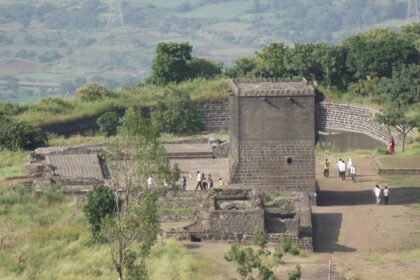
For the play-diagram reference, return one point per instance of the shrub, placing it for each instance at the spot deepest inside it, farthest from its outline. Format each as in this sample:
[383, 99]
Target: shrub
[92, 91]
[54, 105]
[259, 237]
[175, 113]
[100, 203]
[108, 123]
[20, 135]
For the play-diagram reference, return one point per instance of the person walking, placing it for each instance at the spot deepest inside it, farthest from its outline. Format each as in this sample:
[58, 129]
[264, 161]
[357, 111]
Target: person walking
[341, 169]
[204, 183]
[377, 193]
[391, 146]
[210, 182]
[349, 165]
[386, 195]
[199, 181]
[327, 168]
[353, 173]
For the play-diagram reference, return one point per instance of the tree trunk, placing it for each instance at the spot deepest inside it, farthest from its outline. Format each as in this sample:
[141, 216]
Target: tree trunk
[119, 272]
[404, 134]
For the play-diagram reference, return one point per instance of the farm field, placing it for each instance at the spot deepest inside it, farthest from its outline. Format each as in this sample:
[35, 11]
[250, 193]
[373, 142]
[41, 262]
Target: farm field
[70, 42]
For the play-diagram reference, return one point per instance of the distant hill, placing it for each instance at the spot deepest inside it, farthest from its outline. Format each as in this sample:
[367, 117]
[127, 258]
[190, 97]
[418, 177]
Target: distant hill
[71, 41]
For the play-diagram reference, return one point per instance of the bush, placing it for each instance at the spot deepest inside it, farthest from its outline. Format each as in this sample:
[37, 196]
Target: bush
[100, 204]
[92, 91]
[108, 123]
[54, 105]
[20, 135]
[175, 113]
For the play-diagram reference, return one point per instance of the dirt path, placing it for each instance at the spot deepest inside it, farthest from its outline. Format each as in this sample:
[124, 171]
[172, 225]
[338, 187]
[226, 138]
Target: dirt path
[349, 227]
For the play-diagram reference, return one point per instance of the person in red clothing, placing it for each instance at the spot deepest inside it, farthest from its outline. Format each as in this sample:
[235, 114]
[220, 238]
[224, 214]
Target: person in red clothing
[392, 146]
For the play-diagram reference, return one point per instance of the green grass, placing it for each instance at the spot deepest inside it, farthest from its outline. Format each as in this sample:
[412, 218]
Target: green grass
[48, 238]
[200, 90]
[11, 163]
[402, 180]
[76, 140]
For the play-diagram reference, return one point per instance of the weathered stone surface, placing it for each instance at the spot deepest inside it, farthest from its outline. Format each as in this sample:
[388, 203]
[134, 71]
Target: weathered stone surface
[272, 136]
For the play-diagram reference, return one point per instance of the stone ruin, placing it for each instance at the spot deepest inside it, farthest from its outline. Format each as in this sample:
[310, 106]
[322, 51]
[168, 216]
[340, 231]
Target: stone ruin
[233, 214]
[77, 168]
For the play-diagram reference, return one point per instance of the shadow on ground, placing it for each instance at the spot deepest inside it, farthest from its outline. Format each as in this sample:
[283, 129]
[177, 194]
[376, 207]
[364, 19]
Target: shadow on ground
[398, 196]
[326, 230]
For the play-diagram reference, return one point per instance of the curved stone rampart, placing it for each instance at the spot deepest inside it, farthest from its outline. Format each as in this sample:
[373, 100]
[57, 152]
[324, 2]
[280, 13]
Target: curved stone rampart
[356, 118]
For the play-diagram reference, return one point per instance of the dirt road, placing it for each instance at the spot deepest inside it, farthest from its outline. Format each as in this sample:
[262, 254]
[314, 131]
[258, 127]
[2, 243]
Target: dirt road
[355, 233]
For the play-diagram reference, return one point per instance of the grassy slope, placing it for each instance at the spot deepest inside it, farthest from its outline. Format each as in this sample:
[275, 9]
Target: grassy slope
[200, 90]
[48, 238]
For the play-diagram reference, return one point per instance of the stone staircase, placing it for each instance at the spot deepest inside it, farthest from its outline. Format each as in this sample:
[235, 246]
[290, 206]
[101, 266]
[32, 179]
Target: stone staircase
[190, 155]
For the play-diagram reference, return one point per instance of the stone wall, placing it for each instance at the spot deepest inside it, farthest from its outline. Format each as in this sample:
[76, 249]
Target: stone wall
[215, 114]
[355, 118]
[272, 142]
[226, 222]
[394, 171]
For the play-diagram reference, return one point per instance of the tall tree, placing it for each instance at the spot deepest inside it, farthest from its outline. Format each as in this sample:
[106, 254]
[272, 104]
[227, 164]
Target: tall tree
[402, 95]
[134, 155]
[271, 61]
[376, 52]
[171, 63]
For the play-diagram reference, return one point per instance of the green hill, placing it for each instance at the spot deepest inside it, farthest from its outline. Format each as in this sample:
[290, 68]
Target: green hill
[68, 42]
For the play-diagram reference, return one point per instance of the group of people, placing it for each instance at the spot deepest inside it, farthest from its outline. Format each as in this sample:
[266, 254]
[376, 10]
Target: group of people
[202, 182]
[341, 165]
[206, 183]
[378, 192]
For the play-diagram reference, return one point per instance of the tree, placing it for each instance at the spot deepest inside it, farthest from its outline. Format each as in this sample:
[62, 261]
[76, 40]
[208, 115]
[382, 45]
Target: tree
[248, 262]
[15, 135]
[376, 52]
[108, 123]
[134, 155]
[204, 68]
[401, 116]
[100, 204]
[243, 67]
[170, 64]
[402, 97]
[271, 61]
[92, 91]
[175, 113]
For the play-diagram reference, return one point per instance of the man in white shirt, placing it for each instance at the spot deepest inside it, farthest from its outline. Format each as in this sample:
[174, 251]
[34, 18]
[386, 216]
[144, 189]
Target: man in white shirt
[341, 169]
[377, 193]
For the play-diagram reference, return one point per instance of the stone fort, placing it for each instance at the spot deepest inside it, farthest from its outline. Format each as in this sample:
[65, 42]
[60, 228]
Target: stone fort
[270, 154]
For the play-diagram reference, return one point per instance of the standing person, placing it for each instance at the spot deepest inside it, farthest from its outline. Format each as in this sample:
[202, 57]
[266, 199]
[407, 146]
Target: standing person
[339, 167]
[377, 193]
[199, 181]
[210, 181]
[353, 173]
[349, 165]
[204, 183]
[221, 182]
[327, 168]
[386, 195]
[342, 169]
[391, 146]
[183, 183]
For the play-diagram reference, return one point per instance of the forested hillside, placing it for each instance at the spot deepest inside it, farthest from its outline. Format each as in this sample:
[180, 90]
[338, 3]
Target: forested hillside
[52, 47]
